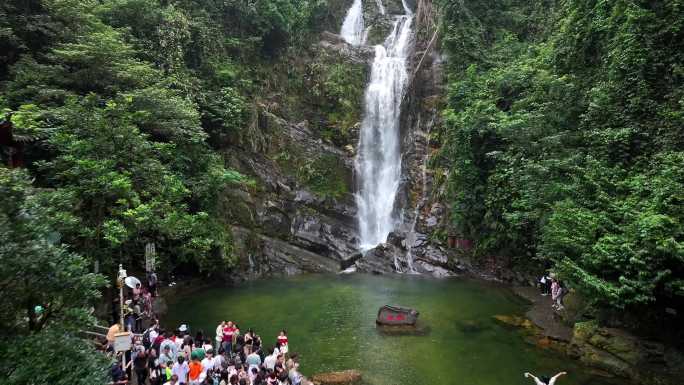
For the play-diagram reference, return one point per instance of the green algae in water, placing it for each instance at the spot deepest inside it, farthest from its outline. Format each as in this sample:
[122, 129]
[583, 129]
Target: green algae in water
[331, 324]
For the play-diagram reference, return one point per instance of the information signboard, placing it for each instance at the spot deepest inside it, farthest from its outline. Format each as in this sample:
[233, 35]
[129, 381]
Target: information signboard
[122, 342]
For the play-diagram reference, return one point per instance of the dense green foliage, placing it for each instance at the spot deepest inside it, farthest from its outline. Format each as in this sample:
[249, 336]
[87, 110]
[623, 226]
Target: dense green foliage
[46, 291]
[128, 106]
[126, 97]
[564, 138]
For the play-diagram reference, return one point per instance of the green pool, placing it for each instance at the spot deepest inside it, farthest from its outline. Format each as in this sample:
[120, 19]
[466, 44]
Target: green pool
[331, 324]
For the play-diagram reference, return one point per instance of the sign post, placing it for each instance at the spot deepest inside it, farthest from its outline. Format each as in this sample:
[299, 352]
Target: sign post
[120, 283]
[150, 256]
[122, 342]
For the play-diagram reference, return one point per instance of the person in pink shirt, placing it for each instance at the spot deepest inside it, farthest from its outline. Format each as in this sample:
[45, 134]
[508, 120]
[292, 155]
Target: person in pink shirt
[556, 295]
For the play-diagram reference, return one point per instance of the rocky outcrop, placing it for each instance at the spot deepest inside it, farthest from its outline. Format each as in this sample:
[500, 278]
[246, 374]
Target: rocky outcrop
[399, 254]
[298, 214]
[345, 377]
[268, 256]
[625, 355]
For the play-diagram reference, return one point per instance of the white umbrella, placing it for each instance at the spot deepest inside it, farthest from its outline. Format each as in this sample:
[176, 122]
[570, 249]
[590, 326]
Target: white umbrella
[132, 282]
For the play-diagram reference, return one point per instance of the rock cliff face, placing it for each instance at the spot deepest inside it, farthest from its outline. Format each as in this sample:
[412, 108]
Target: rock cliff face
[299, 214]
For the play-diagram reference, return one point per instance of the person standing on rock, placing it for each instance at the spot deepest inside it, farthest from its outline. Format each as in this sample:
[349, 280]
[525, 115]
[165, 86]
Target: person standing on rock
[556, 292]
[545, 284]
[545, 380]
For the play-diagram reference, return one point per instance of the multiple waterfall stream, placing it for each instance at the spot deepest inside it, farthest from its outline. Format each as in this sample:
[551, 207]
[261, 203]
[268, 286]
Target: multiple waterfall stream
[378, 163]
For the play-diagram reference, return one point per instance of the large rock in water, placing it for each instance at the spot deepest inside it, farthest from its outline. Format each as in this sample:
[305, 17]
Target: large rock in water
[345, 377]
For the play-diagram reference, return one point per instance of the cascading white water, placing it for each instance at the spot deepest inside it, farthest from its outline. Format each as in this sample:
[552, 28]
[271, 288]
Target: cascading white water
[352, 27]
[378, 161]
[381, 8]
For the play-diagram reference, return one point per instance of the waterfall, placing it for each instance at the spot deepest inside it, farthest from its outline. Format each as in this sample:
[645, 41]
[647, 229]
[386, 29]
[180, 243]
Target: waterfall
[381, 8]
[352, 27]
[378, 163]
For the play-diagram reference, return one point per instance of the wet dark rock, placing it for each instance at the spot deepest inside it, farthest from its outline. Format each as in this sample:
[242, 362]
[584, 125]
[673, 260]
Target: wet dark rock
[264, 256]
[396, 238]
[305, 197]
[435, 256]
[434, 270]
[420, 240]
[273, 219]
[378, 260]
[437, 209]
[349, 260]
[332, 38]
[404, 330]
[324, 235]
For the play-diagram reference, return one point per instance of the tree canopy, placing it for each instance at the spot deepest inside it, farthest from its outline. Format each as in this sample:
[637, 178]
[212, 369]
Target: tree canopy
[563, 141]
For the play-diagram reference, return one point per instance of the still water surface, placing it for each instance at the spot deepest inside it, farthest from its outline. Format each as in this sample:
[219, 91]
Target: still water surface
[331, 324]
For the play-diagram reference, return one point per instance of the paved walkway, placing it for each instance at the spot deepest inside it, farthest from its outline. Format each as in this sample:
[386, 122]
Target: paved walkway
[542, 315]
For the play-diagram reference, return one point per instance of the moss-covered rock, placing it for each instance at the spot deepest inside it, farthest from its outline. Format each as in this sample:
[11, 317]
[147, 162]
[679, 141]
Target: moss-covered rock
[335, 87]
[516, 321]
[345, 377]
[620, 353]
[616, 342]
[235, 206]
[325, 176]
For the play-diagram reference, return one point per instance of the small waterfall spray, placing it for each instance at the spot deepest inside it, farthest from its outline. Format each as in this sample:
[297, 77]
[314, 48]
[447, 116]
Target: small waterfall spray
[378, 163]
[381, 8]
[352, 27]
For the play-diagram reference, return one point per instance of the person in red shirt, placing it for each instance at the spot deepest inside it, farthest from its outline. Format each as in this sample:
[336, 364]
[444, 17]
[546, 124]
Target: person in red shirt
[228, 333]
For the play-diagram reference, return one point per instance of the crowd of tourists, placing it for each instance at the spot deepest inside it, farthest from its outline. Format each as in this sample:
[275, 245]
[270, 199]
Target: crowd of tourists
[231, 356]
[161, 357]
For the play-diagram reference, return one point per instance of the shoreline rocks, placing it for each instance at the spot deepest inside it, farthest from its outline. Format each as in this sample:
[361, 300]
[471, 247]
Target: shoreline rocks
[612, 352]
[344, 377]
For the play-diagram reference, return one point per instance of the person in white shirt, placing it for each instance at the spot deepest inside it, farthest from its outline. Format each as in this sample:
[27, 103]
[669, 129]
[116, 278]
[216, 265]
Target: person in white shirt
[544, 380]
[208, 361]
[153, 332]
[181, 369]
[217, 363]
[270, 360]
[219, 334]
